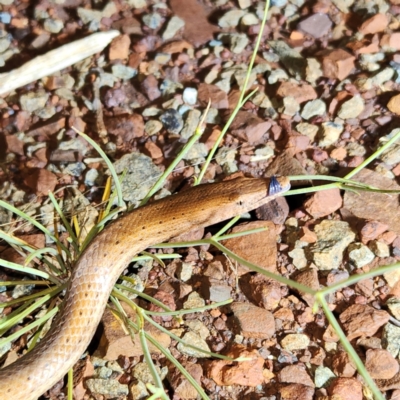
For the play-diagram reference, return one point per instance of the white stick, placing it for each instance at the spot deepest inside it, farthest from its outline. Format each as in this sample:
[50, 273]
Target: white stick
[55, 60]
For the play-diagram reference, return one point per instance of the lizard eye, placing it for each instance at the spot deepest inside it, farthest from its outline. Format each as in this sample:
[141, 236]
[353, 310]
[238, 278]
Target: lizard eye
[274, 186]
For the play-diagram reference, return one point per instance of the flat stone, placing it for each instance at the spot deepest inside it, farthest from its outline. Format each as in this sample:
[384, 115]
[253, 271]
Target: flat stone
[218, 98]
[369, 205]
[346, 389]
[337, 64]
[380, 364]
[360, 254]
[173, 26]
[391, 339]
[245, 373]
[362, 320]
[295, 341]
[394, 104]
[301, 93]
[316, 25]
[333, 239]
[257, 248]
[313, 108]
[377, 23]
[295, 374]
[296, 391]
[352, 108]
[252, 321]
[323, 203]
[329, 133]
[194, 339]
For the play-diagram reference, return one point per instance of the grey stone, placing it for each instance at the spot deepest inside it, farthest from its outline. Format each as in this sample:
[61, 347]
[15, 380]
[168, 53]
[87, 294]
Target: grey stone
[152, 127]
[316, 25]
[191, 122]
[380, 249]
[291, 106]
[173, 26]
[299, 259]
[193, 339]
[295, 341]
[4, 44]
[153, 20]
[53, 25]
[91, 176]
[193, 301]
[33, 101]
[360, 254]
[307, 129]
[352, 108]
[107, 387]
[294, 62]
[172, 120]
[323, 377]
[394, 306]
[141, 174]
[231, 19]
[135, 283]
[250, 19]
[391, 339]
[123, 71]
[276, 75]
[330, 133]
[333, 237]
[138, 390]
[313, 108]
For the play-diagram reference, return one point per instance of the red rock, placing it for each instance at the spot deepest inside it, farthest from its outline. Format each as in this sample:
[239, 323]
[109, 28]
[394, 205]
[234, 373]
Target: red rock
[181, 386]
[394, 104]
[48, 129]
[252, 321]
[362, 320]
[346, 389]
[307, 235]
[115, 342]
[295, 374]
[298, 143]
[319, 155]
[265, 292]
[323, 203]
[371, 230]
[301, 93]
[246, 373]
[391, 40]
[296, 391]
[388, 237]
[177, 46]
[41, 181]
[381, 364]
[375, 24]
[342, 365]
[308, 277]
[198, 29]
[150, 88]
[206, 93]
[119, 48]
[125, 127]
[249, 127]
[153, 150]
[355, 161]
[337, 64]
[14, 145]
[258, 248]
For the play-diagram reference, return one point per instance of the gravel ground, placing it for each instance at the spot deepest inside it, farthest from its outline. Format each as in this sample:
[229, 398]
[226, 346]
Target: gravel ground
[327, 75]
